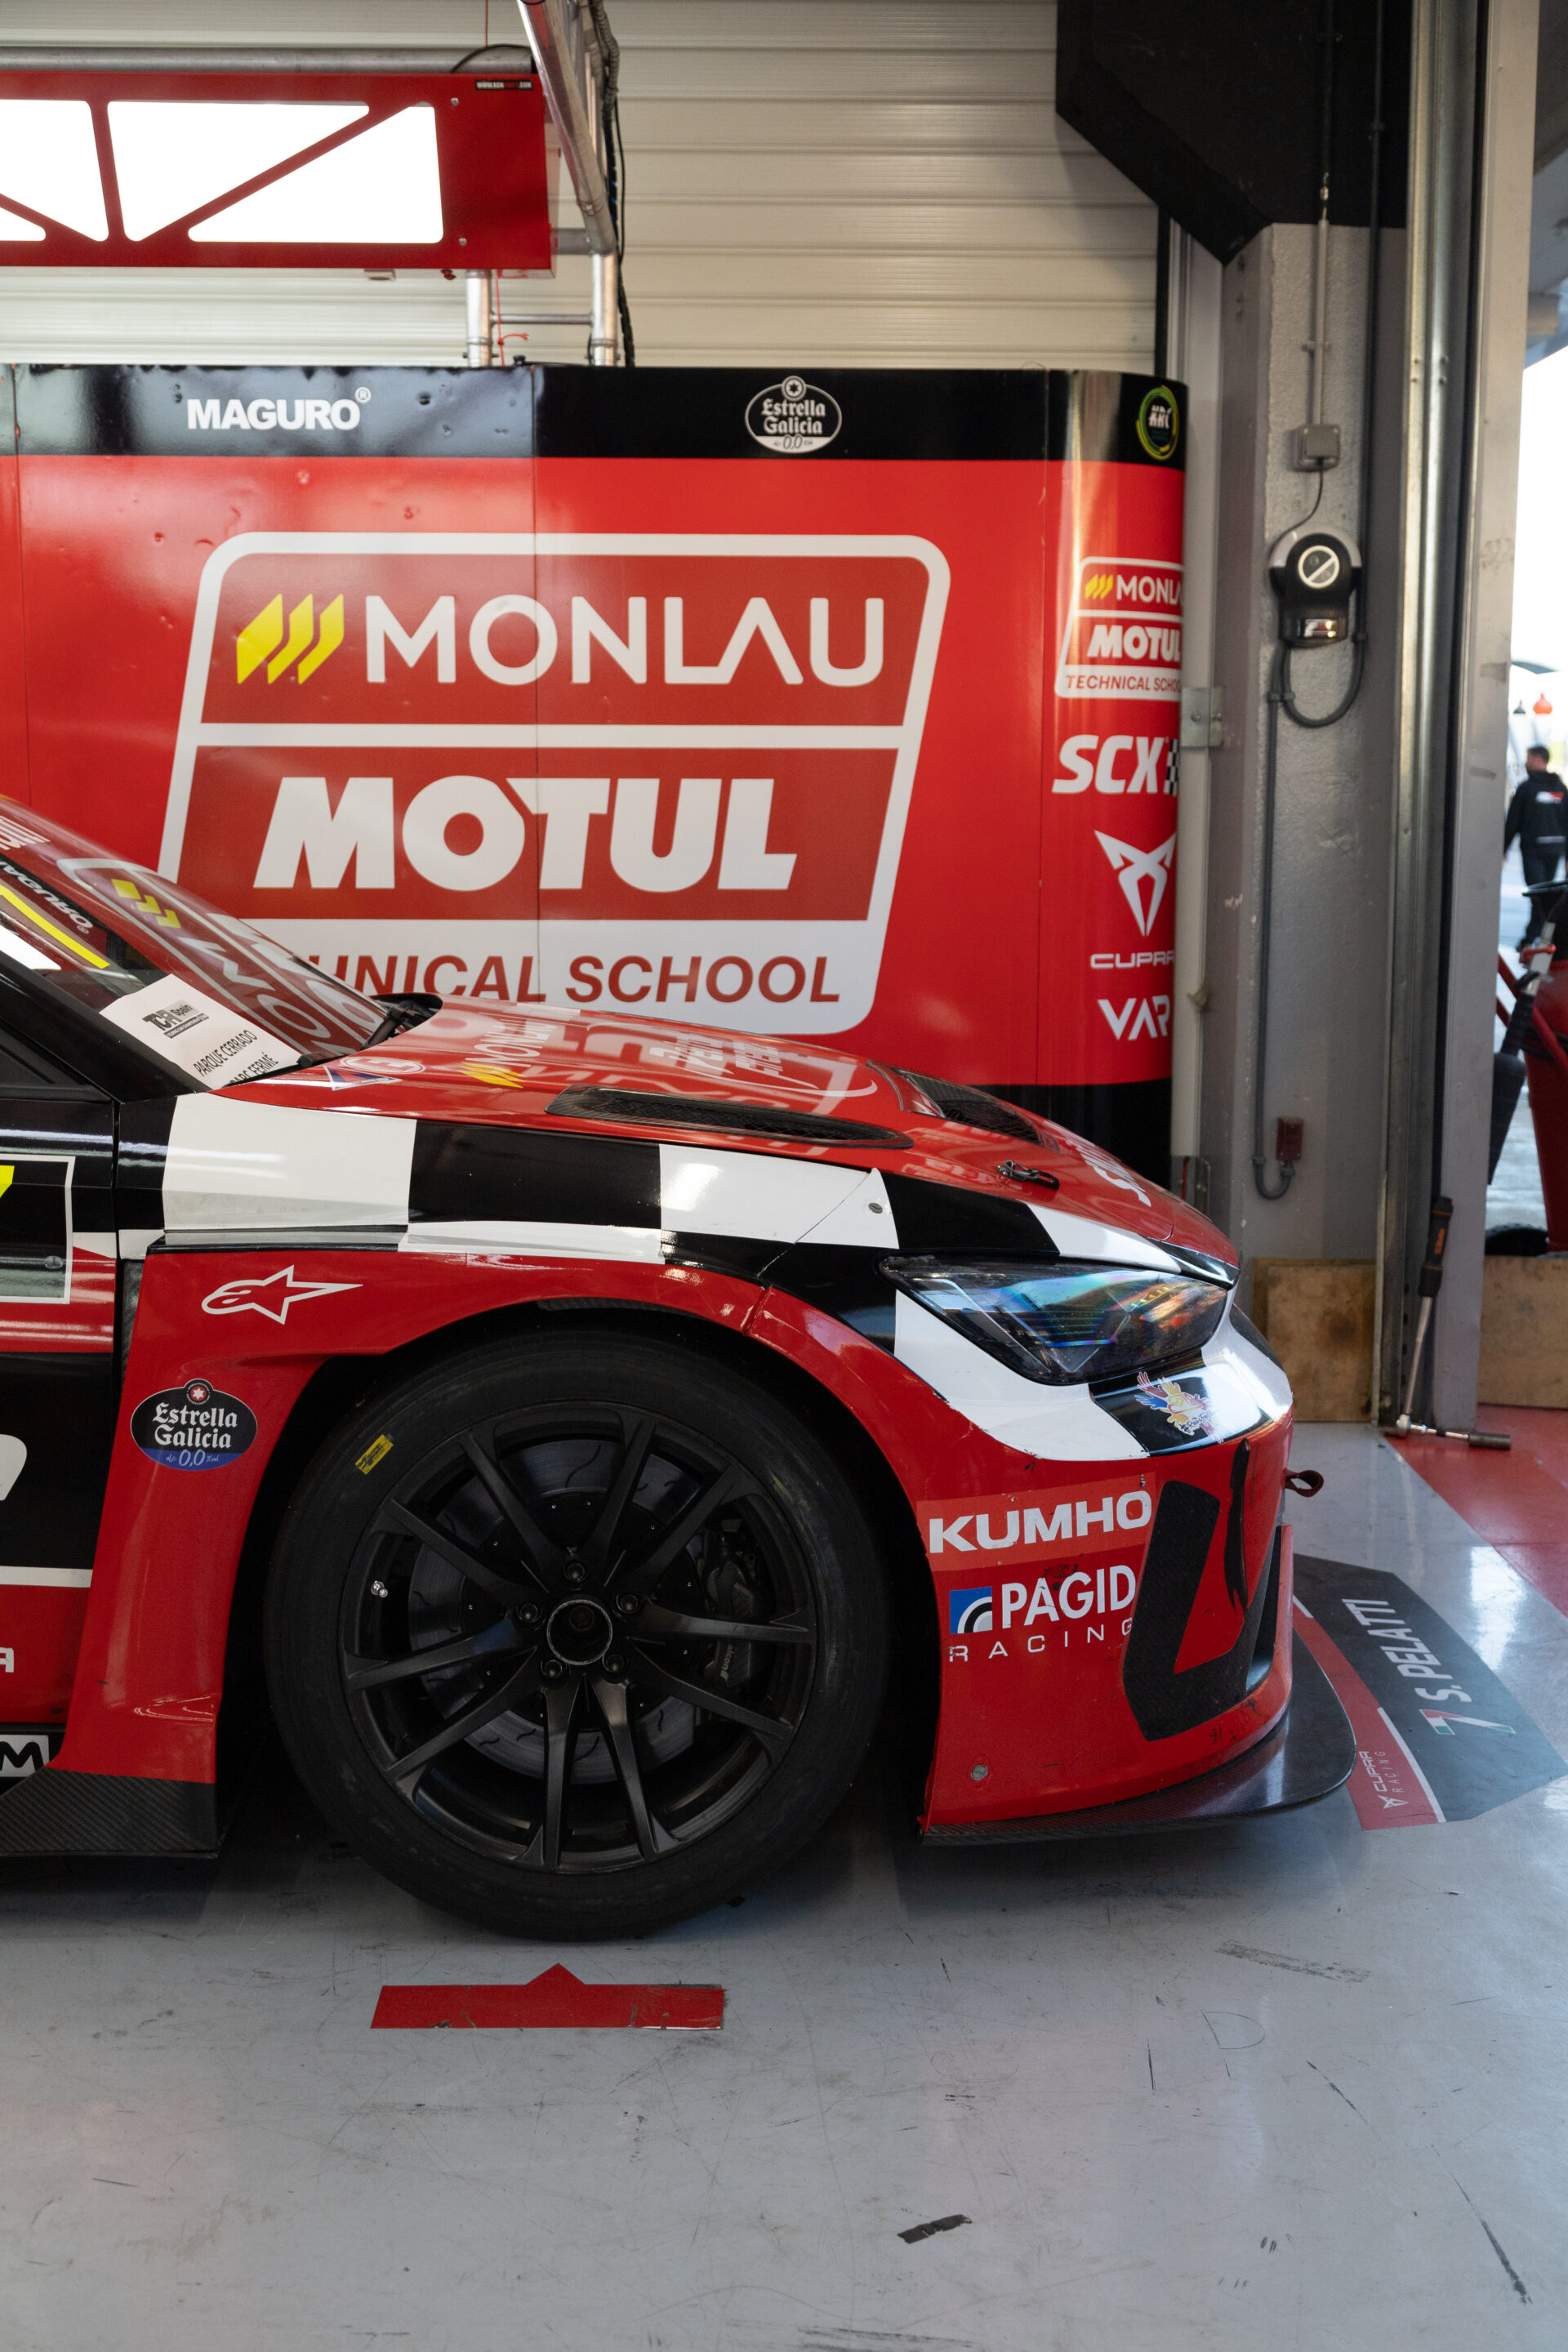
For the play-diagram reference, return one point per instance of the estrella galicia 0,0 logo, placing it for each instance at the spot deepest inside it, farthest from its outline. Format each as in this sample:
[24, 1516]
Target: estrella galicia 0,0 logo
[193, 1428]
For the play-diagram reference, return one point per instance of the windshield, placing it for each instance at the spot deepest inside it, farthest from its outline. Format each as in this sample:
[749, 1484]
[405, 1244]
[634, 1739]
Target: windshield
[202, 989]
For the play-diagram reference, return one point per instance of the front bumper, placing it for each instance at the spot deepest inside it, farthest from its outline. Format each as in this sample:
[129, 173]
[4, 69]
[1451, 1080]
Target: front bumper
[1308, 1754]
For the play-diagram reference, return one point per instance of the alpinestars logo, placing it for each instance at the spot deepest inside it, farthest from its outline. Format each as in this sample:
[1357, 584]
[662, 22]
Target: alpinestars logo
[271, 1294]
[1133, 868]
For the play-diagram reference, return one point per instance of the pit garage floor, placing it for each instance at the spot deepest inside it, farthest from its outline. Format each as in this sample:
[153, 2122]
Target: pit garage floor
[1290, 2083]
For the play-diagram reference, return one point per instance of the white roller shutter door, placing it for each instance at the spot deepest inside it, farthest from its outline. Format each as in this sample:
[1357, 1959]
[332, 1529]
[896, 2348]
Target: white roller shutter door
[849, 183]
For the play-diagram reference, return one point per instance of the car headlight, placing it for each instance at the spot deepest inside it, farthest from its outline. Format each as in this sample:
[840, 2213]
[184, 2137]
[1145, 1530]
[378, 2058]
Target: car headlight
[1065, 1322]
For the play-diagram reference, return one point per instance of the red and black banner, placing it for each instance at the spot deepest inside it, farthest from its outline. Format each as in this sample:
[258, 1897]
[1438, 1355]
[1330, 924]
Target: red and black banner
[840, 707]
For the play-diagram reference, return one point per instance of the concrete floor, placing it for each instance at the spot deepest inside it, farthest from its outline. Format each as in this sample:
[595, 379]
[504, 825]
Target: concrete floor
[1161, 2146]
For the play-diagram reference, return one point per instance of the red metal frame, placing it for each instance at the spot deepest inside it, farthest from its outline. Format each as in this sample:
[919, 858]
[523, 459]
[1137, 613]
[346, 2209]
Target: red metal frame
[490, 138]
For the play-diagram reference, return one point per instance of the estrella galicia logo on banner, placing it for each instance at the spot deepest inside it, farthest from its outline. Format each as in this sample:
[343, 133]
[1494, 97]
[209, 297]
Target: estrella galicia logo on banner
[193, 1428]
[793, 417]
[969, 1610]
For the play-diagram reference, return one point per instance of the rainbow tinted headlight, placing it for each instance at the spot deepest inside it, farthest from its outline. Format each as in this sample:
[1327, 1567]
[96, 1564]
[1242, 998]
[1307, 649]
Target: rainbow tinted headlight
[1065, 1322]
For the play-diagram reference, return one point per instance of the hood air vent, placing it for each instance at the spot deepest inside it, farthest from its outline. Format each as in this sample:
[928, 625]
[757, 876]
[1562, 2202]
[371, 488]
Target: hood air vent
[972, 1107]
[767, 1119]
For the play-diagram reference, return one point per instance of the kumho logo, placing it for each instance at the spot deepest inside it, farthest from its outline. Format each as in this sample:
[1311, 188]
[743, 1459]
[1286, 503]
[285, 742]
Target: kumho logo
[652, 771]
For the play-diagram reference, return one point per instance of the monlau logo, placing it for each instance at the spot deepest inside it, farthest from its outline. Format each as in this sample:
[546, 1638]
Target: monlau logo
[671, 771]
[1124, 631]
[262, 640]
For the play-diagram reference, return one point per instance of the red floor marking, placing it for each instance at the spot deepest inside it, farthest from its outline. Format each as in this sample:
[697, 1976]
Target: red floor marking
[557, 1998]
[1387, 1787]
[1517, 1502]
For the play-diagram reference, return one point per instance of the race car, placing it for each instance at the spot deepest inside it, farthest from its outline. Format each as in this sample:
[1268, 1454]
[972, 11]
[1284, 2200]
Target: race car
[578, 1422]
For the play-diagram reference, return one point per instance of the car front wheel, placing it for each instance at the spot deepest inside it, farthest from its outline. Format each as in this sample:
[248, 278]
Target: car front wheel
[576, 1633]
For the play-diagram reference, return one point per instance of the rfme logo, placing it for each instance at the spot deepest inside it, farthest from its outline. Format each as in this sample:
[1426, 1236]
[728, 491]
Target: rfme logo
[968, 1612]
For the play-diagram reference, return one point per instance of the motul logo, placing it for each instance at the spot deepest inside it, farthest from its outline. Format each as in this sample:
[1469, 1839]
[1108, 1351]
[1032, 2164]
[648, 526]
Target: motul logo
[623, 771]
[1123, 632]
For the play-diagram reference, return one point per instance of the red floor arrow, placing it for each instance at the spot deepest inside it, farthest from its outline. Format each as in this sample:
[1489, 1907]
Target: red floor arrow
[555, 1999]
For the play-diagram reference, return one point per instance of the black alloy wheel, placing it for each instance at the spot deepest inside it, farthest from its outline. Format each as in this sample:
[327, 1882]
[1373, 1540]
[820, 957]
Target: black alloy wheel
[593, 1641]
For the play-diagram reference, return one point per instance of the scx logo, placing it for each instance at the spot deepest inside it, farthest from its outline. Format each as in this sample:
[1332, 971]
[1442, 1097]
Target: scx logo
[1117, 764]
[262, 640]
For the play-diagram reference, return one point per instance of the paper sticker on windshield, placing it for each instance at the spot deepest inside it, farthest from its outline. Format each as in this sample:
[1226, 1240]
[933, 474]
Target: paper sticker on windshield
[198, 1034]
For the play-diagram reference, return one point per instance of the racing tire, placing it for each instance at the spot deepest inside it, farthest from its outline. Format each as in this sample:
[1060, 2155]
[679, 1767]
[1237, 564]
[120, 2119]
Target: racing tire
[576, 1633]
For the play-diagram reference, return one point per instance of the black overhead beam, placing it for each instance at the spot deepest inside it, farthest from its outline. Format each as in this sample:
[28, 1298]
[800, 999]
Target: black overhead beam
[1216, 109]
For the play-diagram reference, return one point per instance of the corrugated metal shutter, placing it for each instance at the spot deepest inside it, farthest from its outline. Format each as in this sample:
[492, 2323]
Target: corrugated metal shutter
[858, 183]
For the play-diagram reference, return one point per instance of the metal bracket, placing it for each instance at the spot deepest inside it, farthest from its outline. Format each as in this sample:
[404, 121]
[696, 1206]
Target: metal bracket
[1203, 718]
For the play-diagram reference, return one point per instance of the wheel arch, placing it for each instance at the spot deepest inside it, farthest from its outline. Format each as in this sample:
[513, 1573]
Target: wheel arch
[341, 1385]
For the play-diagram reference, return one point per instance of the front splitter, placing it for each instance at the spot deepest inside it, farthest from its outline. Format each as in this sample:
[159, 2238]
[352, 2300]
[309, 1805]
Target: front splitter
[1308, 1754]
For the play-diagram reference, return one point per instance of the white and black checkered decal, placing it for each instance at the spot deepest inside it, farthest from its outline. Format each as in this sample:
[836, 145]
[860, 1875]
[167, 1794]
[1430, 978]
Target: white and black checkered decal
[211, 1173]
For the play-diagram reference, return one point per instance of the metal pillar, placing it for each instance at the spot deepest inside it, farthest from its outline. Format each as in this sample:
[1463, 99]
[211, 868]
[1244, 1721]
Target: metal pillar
[1501, 270]
[1193, 355]
[571, 68]
[479, 293]
[1470, 103]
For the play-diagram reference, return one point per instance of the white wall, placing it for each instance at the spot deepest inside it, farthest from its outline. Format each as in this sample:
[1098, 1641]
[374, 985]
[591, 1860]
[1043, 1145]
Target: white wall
[859, 182]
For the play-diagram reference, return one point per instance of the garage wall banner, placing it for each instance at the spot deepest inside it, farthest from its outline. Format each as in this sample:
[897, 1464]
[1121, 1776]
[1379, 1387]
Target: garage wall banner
[842, 709]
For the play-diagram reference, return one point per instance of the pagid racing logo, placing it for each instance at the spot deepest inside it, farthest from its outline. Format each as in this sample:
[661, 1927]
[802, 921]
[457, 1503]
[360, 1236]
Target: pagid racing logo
[969, 1610]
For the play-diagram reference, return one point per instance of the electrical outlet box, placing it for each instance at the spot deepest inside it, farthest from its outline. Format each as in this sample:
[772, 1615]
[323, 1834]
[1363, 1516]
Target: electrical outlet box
[1317, 448]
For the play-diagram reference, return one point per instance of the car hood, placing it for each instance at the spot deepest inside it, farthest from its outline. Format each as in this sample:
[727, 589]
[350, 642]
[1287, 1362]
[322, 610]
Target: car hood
[562, 1071]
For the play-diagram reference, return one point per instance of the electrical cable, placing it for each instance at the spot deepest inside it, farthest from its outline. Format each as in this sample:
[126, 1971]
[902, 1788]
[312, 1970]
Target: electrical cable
[1264, 917]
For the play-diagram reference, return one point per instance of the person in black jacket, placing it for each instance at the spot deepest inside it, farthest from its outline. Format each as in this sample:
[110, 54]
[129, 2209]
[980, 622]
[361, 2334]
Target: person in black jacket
[1538, 821]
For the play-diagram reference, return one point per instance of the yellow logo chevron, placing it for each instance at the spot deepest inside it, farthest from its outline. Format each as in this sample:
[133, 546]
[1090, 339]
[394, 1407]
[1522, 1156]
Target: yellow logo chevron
[262, 639]
[1099, 583]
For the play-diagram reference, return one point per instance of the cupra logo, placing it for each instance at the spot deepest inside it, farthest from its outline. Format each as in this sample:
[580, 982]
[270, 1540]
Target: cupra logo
[1136, 866]
[262, 639]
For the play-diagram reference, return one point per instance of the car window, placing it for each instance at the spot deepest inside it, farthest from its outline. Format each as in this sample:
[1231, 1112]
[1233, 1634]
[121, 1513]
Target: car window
[24, 1070]
[204, 991]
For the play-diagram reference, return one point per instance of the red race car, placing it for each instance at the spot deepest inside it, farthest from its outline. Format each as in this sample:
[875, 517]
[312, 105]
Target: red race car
[578, 1421]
